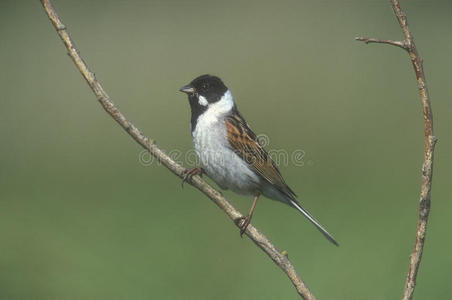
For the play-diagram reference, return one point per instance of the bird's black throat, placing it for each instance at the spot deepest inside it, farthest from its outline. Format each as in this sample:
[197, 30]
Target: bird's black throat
[196, 110]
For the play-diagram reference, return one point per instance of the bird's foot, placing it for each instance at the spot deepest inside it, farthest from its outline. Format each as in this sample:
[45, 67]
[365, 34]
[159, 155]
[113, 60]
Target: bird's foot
[243, 223]
[189, 173]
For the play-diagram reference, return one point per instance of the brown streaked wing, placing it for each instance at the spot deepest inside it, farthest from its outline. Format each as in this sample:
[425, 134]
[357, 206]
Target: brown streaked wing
[244, 143]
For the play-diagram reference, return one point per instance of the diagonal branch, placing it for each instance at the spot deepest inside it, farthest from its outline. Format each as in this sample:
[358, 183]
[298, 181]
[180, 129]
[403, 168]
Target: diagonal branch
[430, 141]
[258, 238]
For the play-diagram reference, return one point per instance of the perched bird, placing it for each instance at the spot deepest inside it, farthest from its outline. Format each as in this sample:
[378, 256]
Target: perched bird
[229, 151]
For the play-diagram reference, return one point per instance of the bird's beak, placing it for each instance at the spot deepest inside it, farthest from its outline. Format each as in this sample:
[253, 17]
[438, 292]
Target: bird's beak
[187, 89]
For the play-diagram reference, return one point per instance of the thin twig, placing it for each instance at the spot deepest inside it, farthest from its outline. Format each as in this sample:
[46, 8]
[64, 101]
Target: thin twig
[368, 40]
[258, 238]
[430, 141]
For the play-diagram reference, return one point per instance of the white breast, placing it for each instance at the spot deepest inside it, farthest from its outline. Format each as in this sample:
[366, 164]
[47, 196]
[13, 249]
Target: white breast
[220, 163]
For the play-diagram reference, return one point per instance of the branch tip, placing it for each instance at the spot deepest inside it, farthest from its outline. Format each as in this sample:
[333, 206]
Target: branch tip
[368, 40]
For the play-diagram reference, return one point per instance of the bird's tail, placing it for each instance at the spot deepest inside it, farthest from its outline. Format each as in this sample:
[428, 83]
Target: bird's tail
[313, 221]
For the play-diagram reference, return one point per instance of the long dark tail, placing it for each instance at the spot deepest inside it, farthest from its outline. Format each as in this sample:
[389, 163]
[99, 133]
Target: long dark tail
[313, 221]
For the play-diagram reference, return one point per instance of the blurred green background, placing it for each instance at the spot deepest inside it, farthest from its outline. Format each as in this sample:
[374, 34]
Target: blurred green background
[82, 218]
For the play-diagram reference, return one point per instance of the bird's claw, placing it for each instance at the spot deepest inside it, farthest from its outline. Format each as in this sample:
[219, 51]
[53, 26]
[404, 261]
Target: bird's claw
[189, 173]
[243, 223]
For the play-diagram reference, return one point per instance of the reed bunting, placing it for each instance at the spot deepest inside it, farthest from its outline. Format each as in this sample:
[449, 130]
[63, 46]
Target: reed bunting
[229, 151]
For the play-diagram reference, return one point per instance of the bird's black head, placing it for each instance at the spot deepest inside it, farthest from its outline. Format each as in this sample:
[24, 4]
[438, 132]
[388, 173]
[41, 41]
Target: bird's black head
[211, 88]
[203, 91]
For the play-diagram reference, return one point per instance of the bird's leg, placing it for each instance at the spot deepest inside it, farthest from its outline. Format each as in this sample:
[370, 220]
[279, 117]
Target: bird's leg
[245, 221]
[189, 173]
